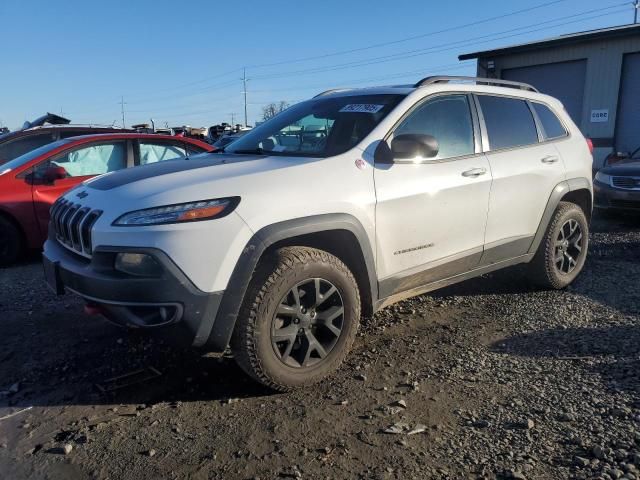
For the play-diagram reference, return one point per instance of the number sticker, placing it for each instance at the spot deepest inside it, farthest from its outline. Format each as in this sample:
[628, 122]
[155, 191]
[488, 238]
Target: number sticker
[361, 108]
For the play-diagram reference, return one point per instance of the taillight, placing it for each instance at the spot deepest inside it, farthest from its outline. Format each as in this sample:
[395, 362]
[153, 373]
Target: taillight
[590, 145]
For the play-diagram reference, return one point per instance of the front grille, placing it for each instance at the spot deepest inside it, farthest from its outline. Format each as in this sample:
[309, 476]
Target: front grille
[625, 204]
[72, 224]
[626, 182]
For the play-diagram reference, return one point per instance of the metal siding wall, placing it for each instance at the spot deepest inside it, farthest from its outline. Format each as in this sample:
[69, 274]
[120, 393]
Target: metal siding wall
[564, 80]
[628, 127]
[602, 83]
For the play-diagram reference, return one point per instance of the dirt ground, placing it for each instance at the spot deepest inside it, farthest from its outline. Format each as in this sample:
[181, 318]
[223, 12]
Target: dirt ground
[486, 379]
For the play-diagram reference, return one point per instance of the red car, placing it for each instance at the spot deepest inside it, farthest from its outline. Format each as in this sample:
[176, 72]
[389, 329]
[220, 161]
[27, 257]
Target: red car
[30, 183]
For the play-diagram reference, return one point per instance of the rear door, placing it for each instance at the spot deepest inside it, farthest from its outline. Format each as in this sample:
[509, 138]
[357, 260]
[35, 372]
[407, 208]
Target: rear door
[525, 171]
[74, 166]
[431, 213]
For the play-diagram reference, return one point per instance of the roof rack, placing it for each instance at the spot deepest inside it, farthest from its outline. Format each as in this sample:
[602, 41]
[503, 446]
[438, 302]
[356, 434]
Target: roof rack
[477, 80]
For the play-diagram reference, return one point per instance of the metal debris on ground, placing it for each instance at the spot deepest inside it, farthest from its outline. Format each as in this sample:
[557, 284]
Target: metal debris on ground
[15, 413]
[128, 379]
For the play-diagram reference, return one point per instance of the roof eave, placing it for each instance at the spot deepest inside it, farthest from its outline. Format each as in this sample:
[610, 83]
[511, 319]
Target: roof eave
[627, 30]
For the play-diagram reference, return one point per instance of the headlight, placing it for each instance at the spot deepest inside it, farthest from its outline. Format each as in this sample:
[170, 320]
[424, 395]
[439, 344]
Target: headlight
[182, 212]
[603, 178]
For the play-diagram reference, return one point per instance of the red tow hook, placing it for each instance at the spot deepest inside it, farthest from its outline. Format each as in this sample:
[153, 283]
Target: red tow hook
[92, 309]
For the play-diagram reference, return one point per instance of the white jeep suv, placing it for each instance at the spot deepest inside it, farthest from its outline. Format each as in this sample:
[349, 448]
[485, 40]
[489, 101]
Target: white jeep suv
[335, 208]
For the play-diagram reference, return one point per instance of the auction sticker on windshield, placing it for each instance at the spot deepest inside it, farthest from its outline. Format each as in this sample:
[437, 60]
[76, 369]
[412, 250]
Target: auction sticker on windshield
[361, 108]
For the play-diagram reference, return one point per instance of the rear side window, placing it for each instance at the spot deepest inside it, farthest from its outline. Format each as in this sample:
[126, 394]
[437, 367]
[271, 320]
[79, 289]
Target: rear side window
[550, 123]
[152, 152]
[22, 145]
[509, 122]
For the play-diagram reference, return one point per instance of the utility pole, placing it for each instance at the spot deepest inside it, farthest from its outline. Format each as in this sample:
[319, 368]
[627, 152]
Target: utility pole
[244, 83]
[122, 104]
[636, 7]
[233, 118]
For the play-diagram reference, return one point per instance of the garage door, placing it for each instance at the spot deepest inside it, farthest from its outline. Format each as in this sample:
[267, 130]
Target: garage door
[628, 120]
[564, 80]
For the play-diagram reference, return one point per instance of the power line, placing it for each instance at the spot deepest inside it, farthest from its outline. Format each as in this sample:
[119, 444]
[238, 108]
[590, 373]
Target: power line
[369, 47]
[437, 48]
[402, 55]
[358, 81]
[408, 39]
[382, 59]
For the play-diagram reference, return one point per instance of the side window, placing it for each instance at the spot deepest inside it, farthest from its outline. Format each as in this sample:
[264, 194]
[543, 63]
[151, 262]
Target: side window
[509, 122]
[22, 145]
[550, 123]
[448, 119]
[66, 133]
[152, 152]
[193, 149]
[90, 160]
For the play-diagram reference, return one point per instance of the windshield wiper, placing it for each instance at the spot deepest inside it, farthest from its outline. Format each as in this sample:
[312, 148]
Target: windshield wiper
[257, 151]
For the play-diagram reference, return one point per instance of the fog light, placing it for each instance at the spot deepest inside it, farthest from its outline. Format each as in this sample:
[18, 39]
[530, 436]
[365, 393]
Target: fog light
[139, 264]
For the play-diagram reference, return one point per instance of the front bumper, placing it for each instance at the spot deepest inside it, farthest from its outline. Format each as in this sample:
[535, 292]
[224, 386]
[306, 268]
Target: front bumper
[608, 197]
[169, 303]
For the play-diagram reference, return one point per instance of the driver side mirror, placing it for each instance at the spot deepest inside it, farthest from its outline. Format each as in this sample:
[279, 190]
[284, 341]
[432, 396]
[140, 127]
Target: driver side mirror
[53, 173]
[414, 145]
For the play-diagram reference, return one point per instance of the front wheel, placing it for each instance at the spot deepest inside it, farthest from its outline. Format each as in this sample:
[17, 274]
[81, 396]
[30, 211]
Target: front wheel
[563, 250]
[298, 319]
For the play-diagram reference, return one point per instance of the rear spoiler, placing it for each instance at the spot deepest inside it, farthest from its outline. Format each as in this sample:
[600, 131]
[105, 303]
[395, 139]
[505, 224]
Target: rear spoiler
[50, 118]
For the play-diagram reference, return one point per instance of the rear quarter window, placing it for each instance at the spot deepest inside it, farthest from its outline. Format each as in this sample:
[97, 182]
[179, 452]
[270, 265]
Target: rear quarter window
[551, 125]
[21, 145]
[509, 122]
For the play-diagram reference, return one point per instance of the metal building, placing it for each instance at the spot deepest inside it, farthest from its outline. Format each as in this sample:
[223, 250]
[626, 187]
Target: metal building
[596, 75]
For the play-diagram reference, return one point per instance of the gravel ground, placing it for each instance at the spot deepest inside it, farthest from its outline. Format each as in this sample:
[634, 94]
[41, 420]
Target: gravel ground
[486, 379]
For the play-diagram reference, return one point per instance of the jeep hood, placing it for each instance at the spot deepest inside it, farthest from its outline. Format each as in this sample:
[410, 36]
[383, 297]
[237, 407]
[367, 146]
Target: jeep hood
[201, 165]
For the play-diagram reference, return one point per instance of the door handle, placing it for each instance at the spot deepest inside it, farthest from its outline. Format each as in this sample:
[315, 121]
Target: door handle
[474, 172]
[549, 159]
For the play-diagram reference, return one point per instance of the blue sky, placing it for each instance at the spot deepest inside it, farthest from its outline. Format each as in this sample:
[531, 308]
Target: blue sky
[181, 62]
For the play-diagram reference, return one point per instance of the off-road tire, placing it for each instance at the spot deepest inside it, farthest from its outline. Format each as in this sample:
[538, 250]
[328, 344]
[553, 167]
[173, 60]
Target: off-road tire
[10, 242]
[275, 275]
[542, 270]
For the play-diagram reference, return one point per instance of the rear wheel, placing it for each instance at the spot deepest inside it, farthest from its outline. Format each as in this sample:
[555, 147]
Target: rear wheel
[563, 250]
[298, 320]
[10, 242]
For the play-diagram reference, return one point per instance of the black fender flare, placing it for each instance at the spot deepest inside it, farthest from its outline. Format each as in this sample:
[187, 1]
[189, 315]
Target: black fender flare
[558, 193]
[225, 318]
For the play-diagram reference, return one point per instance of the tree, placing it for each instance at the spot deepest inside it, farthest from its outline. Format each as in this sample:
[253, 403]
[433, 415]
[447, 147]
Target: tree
[272, 109]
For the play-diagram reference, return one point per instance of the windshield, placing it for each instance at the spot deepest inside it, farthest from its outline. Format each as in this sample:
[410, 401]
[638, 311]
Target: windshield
[27, 157]
[320, 127]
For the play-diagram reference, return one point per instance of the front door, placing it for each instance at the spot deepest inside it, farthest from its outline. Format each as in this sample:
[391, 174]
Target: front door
[53, 177]
[431, 213]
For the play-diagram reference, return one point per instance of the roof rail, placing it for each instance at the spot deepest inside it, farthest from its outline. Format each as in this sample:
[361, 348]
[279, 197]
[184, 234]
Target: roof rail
[333, 90]
[477, 80]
